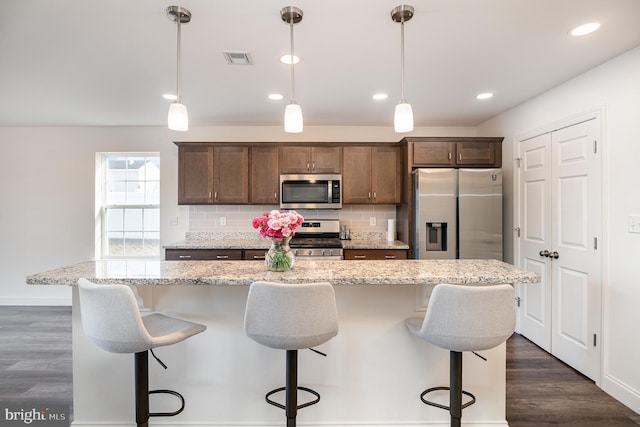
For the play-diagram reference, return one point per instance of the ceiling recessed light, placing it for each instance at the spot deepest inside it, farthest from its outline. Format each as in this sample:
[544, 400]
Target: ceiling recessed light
[169, 96]
[485, 95]
[286, 59]
[275, 96]
[380, 96]
[585, 29]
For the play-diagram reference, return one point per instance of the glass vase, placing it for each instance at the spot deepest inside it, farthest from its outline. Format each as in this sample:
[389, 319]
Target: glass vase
[279, 257]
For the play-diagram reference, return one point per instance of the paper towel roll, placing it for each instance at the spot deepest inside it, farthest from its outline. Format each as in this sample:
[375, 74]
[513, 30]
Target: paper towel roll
[391, 230]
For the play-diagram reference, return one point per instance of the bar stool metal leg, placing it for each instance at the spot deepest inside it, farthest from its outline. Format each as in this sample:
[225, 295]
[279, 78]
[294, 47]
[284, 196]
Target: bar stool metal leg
[141, 368]
[455, 390]
[291, 395]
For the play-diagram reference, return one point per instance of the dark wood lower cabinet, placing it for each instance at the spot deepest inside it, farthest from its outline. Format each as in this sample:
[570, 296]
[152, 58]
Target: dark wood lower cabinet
[203, 255]
[375, 254]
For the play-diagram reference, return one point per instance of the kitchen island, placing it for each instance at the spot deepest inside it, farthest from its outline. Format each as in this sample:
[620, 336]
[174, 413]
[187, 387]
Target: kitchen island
[373, 375]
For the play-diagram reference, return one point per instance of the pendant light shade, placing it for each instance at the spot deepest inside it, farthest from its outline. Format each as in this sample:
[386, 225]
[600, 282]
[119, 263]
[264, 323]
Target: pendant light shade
[293, 122]
[178, 118]
[403, 117]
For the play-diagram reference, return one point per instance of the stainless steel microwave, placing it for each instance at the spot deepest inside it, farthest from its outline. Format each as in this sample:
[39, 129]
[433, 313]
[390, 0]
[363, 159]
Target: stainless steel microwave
[311, 191]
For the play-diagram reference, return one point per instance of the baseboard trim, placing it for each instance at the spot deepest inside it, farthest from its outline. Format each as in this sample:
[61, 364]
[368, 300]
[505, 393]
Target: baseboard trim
[56, 301]
[621, 392]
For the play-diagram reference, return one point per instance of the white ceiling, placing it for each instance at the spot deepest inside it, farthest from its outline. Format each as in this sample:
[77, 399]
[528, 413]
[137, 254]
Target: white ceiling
[107, 63]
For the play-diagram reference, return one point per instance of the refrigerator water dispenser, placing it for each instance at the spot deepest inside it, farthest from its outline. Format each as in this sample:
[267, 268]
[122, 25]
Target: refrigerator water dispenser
[436, 236]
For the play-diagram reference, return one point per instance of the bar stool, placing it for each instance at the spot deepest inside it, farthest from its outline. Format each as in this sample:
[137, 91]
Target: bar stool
[112, 321]
[464, 318]
[291, 317]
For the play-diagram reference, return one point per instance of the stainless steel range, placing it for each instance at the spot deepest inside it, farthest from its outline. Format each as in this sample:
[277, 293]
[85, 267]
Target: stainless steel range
[318, 239]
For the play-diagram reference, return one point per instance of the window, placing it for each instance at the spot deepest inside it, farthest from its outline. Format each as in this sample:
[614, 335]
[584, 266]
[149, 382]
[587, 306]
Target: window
[129, 205]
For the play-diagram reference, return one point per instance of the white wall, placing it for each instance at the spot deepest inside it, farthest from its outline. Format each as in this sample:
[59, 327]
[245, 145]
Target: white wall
[47, 190]
[616, 87]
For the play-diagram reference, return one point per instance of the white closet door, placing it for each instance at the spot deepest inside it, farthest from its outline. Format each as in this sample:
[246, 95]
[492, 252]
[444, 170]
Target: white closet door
[560, 199]
[535, 214]
[576, 274]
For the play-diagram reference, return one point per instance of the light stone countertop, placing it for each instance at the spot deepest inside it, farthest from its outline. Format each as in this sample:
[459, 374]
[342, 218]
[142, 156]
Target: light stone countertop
[397, 272]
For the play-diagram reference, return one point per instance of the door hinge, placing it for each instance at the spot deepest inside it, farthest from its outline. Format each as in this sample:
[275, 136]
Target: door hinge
[518, 159]
[594, 339]
[595, 146]
[517, 230]
[518, 301]
[595, 243]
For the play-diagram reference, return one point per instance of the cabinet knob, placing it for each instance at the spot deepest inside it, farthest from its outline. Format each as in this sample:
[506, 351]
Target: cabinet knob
[544, 253]
[460, 156]
[222, 256]
[360, 256]
[390, 257]
[184, 256]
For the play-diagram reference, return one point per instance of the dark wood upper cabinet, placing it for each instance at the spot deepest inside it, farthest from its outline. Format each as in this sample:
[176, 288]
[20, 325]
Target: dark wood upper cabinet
[195, 172]
[264, 177]
[478, 153]
[455, 152]
[213, 175]
[371, 175]
[305, 160]
[434, 153]
[231, 175]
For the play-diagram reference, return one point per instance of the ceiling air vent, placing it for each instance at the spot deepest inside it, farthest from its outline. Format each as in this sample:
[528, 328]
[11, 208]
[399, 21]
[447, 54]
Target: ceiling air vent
[237, 58]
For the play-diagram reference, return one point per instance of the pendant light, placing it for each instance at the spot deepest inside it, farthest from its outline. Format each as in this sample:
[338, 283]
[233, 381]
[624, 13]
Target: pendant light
[403, 117]
[178, 118]
[293, 122]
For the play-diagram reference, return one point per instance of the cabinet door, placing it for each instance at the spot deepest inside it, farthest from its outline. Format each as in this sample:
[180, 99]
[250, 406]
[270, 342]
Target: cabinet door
[231, 175]
[202, 255]
[433, 153]
[265, 179]
[255, 254]
[295, 159]
[386, 175]
[195, 171]
[375, 254]
[303, 160]
[356, 175]
[326, 159]
[476, 153]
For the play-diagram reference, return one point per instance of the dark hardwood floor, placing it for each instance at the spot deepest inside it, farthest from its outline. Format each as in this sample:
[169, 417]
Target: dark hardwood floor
[35, 364]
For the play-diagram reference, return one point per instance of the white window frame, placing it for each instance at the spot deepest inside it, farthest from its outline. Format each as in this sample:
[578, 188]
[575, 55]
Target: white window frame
[101, 208]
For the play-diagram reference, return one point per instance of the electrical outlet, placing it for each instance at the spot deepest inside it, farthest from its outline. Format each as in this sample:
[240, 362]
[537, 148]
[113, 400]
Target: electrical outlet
[173, 220]
[372, 221]
[634, 224]
[223, 220]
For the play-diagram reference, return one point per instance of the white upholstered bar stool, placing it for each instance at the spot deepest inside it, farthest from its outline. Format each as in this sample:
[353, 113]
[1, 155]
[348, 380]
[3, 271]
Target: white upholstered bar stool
[112, 321]
[464, 318]
[291, 317]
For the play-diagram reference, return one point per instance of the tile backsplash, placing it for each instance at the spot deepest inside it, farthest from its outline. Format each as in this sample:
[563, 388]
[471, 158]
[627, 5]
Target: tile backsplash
[227, 218]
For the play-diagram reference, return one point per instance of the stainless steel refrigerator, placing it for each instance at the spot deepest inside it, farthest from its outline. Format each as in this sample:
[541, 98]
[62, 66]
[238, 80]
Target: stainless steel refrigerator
[457, 213]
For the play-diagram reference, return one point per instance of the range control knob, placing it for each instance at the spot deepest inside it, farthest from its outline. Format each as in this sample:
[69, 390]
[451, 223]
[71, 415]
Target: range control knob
[310, 252]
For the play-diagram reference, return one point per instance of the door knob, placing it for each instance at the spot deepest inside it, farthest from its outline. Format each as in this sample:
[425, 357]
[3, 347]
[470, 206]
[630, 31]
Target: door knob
[554, 255]
[544, 253]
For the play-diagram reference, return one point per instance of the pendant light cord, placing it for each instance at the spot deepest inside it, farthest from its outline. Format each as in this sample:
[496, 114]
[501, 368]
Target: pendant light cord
[293, 92]
[402, 99]
[178, 21]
